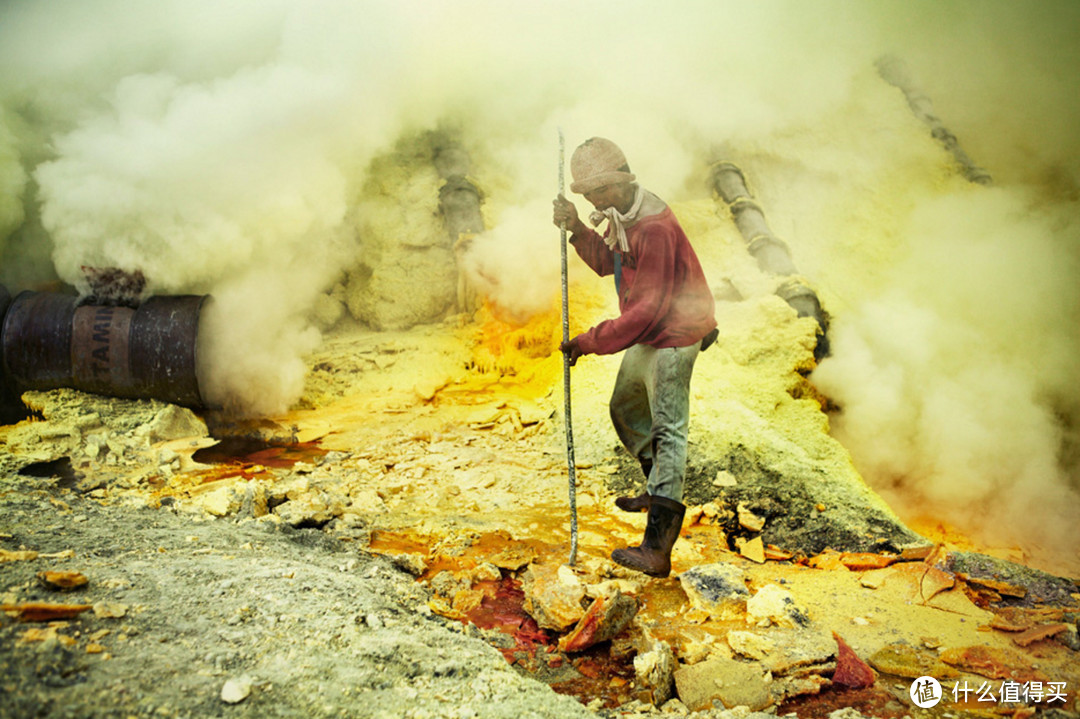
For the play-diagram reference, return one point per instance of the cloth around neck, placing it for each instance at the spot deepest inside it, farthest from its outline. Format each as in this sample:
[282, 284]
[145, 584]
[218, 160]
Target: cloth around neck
[645, 204]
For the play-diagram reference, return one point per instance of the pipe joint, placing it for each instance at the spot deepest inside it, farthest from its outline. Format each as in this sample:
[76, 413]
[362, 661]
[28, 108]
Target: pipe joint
[765, 243]
[729, 182]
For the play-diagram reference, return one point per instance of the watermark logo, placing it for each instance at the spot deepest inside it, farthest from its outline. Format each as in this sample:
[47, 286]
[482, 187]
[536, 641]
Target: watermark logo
[925, 692]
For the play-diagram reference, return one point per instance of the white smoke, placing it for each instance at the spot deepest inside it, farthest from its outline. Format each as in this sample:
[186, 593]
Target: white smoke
[12, 183]
[958, 381]
[213, 182]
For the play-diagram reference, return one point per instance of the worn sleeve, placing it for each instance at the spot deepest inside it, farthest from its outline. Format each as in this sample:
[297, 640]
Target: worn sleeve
[645, 303]
[594, 252]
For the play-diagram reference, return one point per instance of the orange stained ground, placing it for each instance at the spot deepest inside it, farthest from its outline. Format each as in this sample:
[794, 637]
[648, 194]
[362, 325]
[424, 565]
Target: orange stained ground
[662, 601]
[608, 675]
[512, 366]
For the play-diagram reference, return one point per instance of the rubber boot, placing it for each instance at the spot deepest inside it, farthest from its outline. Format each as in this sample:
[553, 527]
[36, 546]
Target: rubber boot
[641, 502]
[653, 556]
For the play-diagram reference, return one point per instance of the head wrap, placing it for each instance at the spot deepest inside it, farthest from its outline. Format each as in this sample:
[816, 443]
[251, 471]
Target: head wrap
[598, 162]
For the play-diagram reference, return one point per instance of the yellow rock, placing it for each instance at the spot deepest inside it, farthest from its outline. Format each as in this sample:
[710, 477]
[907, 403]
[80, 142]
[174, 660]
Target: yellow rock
[754, 550]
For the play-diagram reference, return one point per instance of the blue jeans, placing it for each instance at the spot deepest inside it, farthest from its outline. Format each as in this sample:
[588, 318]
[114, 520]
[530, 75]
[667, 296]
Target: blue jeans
[650, 408]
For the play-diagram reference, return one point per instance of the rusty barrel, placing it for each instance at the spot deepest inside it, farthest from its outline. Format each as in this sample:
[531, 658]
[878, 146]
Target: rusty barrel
[50, 341]
[5, 300]
[11, 410]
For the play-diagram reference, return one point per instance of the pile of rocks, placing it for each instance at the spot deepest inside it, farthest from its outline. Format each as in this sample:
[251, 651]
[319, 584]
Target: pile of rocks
[772, 650]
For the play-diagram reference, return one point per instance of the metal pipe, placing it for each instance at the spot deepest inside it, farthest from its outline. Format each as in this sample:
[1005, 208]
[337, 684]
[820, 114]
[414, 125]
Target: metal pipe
[459, 198]
[772, 253]
[49, 341]
[459, 205]
[895, 72]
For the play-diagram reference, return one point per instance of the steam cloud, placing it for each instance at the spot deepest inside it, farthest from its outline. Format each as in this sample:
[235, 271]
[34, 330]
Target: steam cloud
[219, 147]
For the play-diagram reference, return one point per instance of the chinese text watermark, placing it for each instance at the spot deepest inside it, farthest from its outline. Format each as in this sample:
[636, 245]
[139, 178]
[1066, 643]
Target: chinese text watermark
[927, 692]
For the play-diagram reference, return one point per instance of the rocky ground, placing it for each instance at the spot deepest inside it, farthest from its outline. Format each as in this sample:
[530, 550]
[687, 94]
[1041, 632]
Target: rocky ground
[215, 618]
[397, 547]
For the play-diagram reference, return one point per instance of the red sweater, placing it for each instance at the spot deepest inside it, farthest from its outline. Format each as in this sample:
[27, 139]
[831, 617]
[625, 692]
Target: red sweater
[664, 300]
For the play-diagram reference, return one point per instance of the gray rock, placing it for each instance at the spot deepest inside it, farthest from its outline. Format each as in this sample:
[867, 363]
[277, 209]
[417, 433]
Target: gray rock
[773, 604]
[731, 682]
[447, 584]
[311, 509]
[718, 589]
[785, 651]
[235, 691]
[655, 671]
[174, 422]
[1040, 586]
[414, 564]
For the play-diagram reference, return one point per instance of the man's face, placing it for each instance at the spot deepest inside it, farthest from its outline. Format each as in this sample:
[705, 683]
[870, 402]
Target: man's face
[618, 195]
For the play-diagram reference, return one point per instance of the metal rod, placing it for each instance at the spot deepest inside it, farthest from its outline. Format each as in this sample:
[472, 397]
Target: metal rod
[566, 372]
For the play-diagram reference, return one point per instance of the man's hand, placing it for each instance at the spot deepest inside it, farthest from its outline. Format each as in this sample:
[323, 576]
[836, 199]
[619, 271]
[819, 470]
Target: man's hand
[565, 215]
[572, 350]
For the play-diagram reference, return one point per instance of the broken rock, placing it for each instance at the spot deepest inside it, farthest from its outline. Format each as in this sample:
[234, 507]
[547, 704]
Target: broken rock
[174, 422]
[748, 520]
[851, 671]
[17, 556]
[1009, 579]
[910, 662]
[753, 549]
[1002, 588]
[486, 572]
[730, 682]
[719, 589]
[553, 596]
[606, 618]
[44, 611]
[921, 581]
[220, 502]
[62, 580]
[1018, 619]
[513, 557]
[311, 509]
[447, 584]
[235, 691]
[254, 503]
[1038, 633]
[993, 663]
[414, 564]
[828, 559]
[467, 600]
[655, 671]
[110, 610]
[858, 561]
[786, 651]
[750, 644]
[784, 688]
[775, 605]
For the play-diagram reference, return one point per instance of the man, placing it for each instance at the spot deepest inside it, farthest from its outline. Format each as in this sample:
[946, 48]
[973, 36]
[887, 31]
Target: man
[665, 317]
